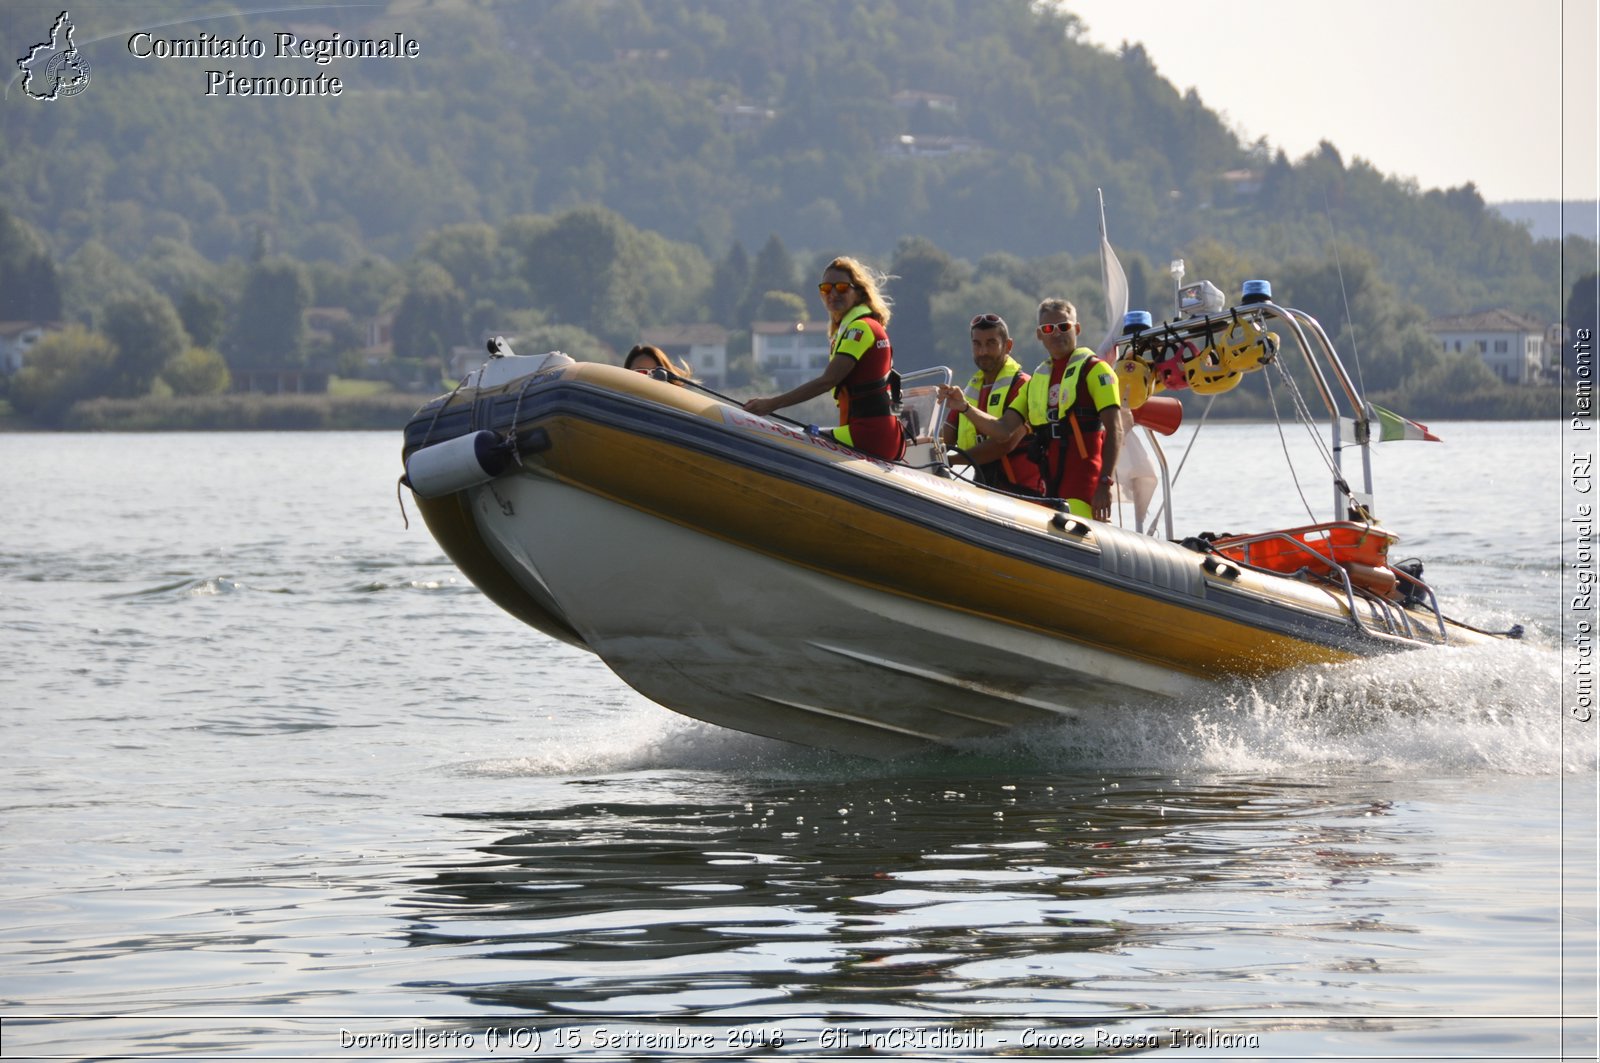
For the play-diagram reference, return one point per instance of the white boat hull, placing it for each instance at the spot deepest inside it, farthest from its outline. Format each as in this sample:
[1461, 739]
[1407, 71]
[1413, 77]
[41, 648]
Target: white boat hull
[742, 640]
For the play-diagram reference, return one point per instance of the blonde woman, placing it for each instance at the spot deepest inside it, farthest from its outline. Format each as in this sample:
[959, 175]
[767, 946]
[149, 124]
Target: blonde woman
[858, 372]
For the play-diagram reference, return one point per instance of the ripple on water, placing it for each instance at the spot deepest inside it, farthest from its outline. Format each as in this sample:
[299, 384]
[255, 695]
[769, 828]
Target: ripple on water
[352, 800]
[198, 587]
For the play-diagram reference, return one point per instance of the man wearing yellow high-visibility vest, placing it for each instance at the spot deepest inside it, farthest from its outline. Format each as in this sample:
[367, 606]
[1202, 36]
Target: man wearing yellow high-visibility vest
[1072, 403]
[1000, 462]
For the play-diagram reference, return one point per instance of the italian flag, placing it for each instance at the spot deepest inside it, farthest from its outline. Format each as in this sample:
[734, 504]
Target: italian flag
[1391, 426]
[1387, 426]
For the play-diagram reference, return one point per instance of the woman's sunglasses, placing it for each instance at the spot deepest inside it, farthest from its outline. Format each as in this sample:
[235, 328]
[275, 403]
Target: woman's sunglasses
[834, 286]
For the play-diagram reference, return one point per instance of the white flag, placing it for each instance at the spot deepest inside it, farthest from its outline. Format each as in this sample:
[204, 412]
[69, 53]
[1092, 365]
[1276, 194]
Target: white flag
[1114, 282]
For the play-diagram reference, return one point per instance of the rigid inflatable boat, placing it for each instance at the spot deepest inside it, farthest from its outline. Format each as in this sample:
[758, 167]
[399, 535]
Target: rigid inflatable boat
[746, 571]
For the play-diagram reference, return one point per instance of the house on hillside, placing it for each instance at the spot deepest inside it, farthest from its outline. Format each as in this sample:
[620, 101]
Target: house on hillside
[1242, 184]
[789, 352]
[912, 99]
[703, 348]
[380, 334]
[910, 145]
[1510, 344]
[743, 117]
[15, 339]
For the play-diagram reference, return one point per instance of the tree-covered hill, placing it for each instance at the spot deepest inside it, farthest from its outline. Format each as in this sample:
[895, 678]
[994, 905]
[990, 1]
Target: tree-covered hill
[979, 125]
[574, 172]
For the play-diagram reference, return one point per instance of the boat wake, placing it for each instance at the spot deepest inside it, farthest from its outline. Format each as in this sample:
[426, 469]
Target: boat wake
[1490, 708]
[1494, 708]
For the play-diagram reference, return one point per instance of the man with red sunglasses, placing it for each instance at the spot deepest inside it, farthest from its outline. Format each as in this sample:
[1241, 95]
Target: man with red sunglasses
[1000, 462]
[1073, 403]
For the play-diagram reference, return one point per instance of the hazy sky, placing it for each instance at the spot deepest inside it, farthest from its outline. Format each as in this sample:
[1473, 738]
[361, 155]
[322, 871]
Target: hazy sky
[1444, 91]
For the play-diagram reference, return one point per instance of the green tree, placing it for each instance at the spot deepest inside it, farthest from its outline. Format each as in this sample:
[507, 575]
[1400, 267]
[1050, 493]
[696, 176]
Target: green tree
[362, 288]
[203, 315]
[729, 281]
[569, 339]
[1417, 351]
[269, 322]
[148, 334]
[30, 289]
[664, 281]
[952, 313]
[92, 277]
[172, 266]
[197, 371]
[1451, 384]
[431, 316]
[591, 269]
[574, 269]
[469, 253]
[772, 271]
[63, 368]
[922, 273]
[781, 306]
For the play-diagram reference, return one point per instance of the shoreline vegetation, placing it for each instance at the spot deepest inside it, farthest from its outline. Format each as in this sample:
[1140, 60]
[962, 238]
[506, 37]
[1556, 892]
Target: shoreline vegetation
[245, 413]
[242, 412]
[673, 170]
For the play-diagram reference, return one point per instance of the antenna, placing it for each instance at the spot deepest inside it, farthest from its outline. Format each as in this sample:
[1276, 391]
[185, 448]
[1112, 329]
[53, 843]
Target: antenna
[1350, 322]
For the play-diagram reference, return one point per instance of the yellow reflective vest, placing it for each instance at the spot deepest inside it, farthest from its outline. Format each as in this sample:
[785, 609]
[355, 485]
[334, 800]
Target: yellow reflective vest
[1100, 386]
[994, 406]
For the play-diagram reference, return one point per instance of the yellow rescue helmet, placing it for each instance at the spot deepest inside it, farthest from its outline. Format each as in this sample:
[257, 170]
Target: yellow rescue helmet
[1246, 346]
[1135, 381]
[1207, 376]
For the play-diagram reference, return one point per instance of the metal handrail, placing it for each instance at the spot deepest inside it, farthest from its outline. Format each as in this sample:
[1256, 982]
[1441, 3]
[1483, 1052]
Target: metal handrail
[1349, 590]
[1433, 600]
[929, 379]
[1344, 576]
[1166, 484]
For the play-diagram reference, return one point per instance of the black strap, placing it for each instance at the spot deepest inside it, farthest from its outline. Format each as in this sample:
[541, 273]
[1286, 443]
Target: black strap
[873, 398]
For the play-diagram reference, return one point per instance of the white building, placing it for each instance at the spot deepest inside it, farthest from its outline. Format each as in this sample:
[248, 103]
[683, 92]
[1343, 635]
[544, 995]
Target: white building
[911, 99]
[923, 146]
[703, 348]
[1509, 344]
[741, 117]
[789, 352]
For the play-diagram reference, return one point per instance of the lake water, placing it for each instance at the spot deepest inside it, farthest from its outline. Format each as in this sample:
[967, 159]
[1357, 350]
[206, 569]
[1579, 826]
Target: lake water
[278, 782]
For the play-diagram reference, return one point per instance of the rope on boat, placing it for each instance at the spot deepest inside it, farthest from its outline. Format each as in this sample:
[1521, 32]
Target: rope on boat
[516, 417]
[1190, 448]
[1306, 419]
[1294, 477]
[662, 373]
[426, 436]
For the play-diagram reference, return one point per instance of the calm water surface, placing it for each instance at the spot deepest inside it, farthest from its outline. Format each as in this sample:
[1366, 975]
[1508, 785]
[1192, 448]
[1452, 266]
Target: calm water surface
[277, 781]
